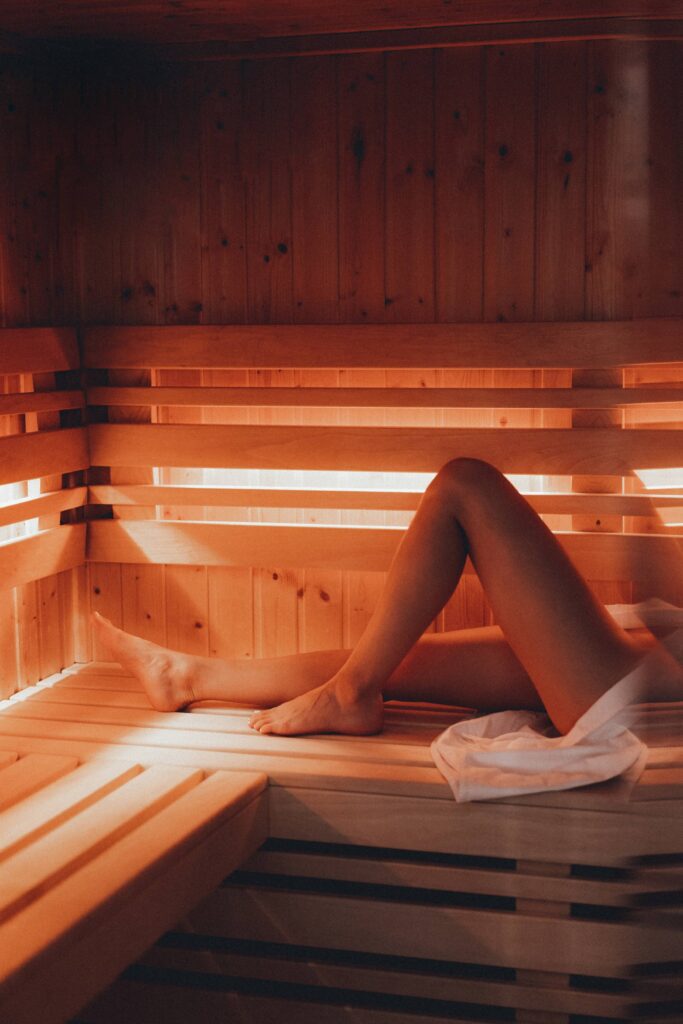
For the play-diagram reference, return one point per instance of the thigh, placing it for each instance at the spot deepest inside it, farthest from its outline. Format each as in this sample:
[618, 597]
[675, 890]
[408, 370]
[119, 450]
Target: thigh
[473, 668]
[560, 632]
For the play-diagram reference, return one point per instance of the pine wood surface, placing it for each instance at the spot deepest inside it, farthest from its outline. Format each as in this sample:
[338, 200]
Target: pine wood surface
[397, 449]
[493, 344]
[369, 792]
[240, 21]
[82, 845]
[651, 559]
[146, 495]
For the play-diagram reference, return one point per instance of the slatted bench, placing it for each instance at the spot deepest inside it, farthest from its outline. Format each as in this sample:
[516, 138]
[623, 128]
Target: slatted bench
[98, 859]
[372, 879]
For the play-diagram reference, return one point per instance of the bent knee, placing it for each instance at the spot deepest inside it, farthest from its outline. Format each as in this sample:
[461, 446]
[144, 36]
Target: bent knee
[466, 476]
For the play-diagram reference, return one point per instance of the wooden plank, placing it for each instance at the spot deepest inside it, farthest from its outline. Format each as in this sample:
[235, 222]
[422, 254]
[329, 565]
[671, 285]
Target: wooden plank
[278, 497]
[581, 344]
[600, 556]
[38, 350]
[29, 774]
[42, 554]
[61, 800]
[509, 186]
[187, 609]
[105, 593]
[46, 504]
[40, 401]
[619, 168]
[662, 290]
[410, 172]
[26, 456]
[230, 612]
[267, 45]
[561, 182]
[264, 177]
[198, 730]
[400, 980]
[395, 781]
[30, 872]
[144, 601]
[494, 937]
[420, 874]
[459, 141]
[84, 695]
[314, 167]
[223, 289]
[134, 890]
[361, 99]
[381, 398]
[399, 449]
[565, 834]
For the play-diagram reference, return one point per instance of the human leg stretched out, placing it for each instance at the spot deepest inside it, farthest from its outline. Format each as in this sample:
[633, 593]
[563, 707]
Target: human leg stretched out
[556, 646]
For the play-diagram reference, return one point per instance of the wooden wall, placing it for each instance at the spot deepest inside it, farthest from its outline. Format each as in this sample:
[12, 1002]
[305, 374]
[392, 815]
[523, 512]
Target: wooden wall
[526, 182]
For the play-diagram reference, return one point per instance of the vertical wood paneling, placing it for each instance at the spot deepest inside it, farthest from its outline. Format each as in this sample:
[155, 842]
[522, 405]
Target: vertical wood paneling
[314, 161]
[187, 608]
[663, 292]
[136, 178]
[144, 601]
[361, 104]
[509, 183]
[106, 597]
[620, 179]
[15, 112]
[9, 678]
[266, 167]
[459, 131]
[561, 182]
[179, 196]
[409, 230]
[230, 612]
[223, 259]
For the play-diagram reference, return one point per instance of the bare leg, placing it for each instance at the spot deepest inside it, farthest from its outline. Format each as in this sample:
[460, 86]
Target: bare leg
[471, 667]
[558, 630]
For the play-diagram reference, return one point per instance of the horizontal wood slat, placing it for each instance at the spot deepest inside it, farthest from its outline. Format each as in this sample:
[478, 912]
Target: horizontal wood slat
[60, 801]
[453, 933]
[389, 398]
[41, 554]
[107, 882]
[501, 345]
[395, 449]
[407, 501]
[38, 349]
[508, 34]
[653, 559]
[45, 505]
[400, 979]
[27, 456]
[40, 401]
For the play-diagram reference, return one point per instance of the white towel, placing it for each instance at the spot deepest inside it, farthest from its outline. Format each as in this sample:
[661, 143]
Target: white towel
[513, 752]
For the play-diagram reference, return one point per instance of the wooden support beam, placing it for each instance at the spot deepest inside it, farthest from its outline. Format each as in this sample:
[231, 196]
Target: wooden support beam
[389, 449]
[498, 345]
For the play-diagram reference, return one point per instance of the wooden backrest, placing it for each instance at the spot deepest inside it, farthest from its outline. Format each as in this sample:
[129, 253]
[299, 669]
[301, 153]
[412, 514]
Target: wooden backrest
[578, 409]
[39, 450]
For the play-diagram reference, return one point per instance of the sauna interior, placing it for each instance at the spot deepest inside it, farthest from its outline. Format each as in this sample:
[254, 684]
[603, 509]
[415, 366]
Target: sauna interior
[263, 269]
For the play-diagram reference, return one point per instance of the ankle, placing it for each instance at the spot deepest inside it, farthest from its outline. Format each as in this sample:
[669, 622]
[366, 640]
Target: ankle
[356, 685]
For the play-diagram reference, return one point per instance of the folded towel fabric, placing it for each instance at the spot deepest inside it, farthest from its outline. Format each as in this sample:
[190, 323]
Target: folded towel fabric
[514, 752]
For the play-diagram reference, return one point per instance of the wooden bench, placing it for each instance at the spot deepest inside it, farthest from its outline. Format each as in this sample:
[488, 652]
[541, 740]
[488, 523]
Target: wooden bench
[372, 881]
[98, 859]
[374, 890]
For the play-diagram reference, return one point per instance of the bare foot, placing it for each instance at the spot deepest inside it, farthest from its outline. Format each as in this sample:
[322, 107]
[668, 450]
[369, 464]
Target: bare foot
[166, 675]
[332, 707]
